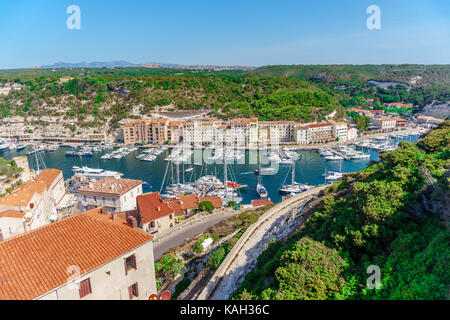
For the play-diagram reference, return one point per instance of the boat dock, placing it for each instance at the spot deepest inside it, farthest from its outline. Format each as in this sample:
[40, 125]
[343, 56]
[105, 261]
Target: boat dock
[340, 154]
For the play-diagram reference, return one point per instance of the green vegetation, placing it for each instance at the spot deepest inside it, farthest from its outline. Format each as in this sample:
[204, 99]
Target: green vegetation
[218, 255]
[205, 206]
[181, 286]
[362, 122]
[168, 267]
[197, 247]
[389, 215]
[9, 168]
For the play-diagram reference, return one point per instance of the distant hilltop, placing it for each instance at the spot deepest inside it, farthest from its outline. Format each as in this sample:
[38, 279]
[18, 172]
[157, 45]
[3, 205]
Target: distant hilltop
[120, 63]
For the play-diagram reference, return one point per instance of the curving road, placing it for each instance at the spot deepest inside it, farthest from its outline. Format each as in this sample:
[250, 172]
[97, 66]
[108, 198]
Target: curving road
[187, 232]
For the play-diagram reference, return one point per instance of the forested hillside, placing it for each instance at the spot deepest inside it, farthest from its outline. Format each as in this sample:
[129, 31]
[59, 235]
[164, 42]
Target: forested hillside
[94, 99]
[394, 215]
[426, 83]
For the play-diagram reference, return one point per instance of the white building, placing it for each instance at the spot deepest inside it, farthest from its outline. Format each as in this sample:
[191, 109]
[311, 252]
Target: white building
[116, 195]
[339, 130]
[352, 133]
[384, 123]
[88, 256]
[31, 205]
[302, 135]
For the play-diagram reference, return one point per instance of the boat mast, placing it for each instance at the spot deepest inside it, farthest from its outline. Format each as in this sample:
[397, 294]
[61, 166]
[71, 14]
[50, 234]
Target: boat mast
[293, 172]
[225, 175]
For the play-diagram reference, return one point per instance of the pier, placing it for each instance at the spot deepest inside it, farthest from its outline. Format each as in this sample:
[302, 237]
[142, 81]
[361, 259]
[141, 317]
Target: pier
[340, 154]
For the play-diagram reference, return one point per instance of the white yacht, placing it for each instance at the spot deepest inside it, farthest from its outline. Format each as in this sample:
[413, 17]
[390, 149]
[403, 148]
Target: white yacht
[96, 173]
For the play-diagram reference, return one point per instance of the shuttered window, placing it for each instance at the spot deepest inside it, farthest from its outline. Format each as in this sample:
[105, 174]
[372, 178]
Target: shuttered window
[85, 288]
[133, 290]
[130, 263]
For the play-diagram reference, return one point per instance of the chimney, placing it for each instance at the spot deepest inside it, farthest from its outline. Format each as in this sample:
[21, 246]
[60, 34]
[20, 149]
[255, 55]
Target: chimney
[113, 216]
[132, 221]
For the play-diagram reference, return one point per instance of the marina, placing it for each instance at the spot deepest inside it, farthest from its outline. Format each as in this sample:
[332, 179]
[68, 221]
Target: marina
[310, 166]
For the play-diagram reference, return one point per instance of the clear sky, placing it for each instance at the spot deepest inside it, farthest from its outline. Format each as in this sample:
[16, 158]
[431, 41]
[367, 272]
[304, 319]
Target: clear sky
[224, 32]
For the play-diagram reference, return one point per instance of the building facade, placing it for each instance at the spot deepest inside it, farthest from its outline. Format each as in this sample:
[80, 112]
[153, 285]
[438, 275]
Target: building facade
[114, 262]
[116, 195]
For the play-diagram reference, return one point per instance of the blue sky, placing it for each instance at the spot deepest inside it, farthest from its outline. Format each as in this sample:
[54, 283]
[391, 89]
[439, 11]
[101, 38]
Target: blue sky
[228, 32]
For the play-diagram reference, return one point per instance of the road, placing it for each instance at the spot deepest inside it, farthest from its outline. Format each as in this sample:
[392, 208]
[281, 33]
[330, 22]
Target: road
[178, 237]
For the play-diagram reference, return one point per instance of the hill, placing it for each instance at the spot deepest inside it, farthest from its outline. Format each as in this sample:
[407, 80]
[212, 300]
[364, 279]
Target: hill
[99, 100]
[393, 215]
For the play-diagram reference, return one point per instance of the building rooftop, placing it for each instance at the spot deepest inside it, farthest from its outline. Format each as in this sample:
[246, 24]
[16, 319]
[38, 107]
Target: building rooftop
[215, 200]
[175, 205]
[37, 261]
[110, 186]
[261, 202]
[151, 207]
[189, 201]
[319, 125]
[22, 195]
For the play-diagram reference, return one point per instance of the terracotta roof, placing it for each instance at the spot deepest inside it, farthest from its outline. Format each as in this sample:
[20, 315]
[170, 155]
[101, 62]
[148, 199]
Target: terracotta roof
[404, 105]
[189, 201]
[216, 201]
[129, 125]
[37, 261]
[175, 205]
[243, 120]
[278, 122]
[151, 207]
[261, 202]
[110, 186]
[318, 125]
[175, 123]
[12, 214]
[22, 195]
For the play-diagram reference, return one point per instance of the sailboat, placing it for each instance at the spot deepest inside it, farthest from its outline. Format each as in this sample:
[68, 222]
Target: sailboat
[294, 187]
[260, 189]
[332, 175]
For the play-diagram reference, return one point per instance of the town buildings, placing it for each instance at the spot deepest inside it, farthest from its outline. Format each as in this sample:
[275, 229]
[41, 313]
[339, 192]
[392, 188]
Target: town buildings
[239, 132]
[116, 195]
[32, 204]
[90, 256]
[155, 215]
[429, 121]
[384, 123]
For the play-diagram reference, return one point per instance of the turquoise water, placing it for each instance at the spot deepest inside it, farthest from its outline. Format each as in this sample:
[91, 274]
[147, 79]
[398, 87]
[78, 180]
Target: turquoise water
[309, 169]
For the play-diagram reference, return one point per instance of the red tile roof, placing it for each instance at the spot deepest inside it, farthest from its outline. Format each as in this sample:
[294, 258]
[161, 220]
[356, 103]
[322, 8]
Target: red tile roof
[216, 201]
[110, 186]
[37, 261]
[12, 214]
[175, 205]
[22, 195]
[151, 207]
[189, 201]
[318, 125]
[261, 202]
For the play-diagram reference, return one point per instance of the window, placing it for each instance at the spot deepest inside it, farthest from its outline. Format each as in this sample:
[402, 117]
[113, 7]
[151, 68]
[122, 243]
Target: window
[133, 291]
[130, 263]
[85, 287]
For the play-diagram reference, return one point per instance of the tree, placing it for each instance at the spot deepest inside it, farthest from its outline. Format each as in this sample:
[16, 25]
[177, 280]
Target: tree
[205, 206]
[362, 122]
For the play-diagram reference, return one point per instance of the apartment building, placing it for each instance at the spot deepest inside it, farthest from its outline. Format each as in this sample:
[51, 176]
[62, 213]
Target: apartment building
[352, 133]
[31, 205]
[384, 123]
[339, 130]
[301, 135]
[152, 131]
[239, 132]
[400, 122]
[115, 195]
[244, 132]
[430, 121]
[89, 256]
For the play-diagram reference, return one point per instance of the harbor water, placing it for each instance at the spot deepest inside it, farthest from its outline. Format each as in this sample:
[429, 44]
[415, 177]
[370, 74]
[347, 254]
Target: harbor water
[309, 168]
